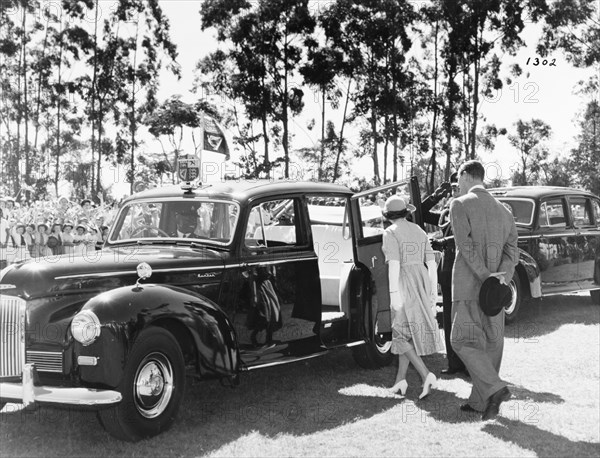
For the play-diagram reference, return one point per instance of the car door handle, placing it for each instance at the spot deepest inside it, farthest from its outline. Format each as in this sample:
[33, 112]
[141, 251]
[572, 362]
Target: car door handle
[373, 259]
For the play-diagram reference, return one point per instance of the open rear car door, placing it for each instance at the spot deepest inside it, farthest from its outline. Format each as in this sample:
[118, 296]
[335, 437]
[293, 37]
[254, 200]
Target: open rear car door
[368, 231]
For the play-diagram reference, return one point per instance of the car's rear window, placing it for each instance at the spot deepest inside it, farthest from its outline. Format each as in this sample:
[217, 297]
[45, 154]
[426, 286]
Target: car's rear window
[522, 210]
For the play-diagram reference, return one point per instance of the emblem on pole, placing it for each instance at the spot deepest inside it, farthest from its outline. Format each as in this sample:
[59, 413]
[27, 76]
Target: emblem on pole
[188, 167]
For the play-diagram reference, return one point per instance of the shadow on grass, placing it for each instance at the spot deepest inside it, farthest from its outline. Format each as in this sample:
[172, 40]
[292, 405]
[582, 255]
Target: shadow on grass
[297, 399]
[540, 317]
[541, 442]
[444, 406]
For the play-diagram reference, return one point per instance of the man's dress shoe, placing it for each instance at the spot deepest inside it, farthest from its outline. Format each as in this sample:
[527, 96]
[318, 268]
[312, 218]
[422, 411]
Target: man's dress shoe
[455, 370]
[493, 405]
[467, 408]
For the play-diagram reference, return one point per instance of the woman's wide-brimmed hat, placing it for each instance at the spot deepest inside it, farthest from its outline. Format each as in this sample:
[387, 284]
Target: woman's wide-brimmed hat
[397, 204]
[67, 224]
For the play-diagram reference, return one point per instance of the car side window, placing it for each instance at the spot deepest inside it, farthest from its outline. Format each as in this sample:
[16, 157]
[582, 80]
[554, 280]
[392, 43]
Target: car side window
[581, 211]
[552, 214]
[272, 223]
[596, 207]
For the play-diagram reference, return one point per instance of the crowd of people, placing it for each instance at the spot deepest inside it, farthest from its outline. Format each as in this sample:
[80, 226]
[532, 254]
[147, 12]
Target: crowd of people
[49, 227]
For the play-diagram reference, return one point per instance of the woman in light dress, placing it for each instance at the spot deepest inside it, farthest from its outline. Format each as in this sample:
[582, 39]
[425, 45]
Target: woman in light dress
[67, 238]
[414, 328]
[80, 240]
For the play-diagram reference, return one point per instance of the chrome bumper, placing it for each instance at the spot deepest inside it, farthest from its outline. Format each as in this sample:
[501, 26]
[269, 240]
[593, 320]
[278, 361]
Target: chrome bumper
[28, 394]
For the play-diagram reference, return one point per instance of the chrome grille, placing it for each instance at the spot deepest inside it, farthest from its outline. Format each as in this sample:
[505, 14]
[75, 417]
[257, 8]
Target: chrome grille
[46, 361]
[12, 336]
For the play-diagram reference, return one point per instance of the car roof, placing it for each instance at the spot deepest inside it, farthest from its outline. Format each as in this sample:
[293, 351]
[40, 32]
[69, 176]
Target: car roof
[537, 192]
[242, 190]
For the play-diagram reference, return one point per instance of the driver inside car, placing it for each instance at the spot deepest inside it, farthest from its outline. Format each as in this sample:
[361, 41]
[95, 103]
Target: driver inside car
[192, 223]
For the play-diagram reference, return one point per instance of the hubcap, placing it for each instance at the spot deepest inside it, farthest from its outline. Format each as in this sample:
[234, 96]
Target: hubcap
[510, 308]
[153, 387]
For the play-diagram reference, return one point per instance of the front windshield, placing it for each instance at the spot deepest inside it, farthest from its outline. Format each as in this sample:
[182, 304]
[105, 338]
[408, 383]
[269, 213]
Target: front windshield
[191, 219]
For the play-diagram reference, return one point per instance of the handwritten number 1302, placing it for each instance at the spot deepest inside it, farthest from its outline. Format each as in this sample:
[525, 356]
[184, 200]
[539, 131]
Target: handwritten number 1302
[536, 61]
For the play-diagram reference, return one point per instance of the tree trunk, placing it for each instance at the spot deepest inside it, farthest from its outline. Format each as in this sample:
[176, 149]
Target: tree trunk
[266, 163]
[385, 149]
[431, 182]
[26, 105]
[99, 155]
[58, 115]
[39, 89]
[18, 119]
[450, 115]
[93, 93]
[341, 137]
[377, 178]
[321, 160]
[286, 153]
[476, 66]
[132, 122]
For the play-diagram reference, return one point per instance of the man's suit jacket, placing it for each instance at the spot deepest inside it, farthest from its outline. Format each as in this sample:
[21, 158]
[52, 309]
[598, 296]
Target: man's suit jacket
[486, 242]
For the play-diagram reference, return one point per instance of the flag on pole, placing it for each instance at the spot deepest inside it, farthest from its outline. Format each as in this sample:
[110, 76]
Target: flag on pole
[214, 137]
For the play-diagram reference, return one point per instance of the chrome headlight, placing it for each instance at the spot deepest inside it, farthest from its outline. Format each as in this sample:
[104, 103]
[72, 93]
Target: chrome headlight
[85, 327]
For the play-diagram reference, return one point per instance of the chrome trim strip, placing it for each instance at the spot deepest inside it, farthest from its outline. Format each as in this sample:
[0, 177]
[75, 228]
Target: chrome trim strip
[547, 236]
[280, 261]
[99, 274]
[280, 363]
[188, 269]
[7, 286]
[356, 344]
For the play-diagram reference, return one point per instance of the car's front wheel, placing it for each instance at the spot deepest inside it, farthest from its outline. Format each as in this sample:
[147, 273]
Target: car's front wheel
[152, 388]
[595, 295]
[511, 310]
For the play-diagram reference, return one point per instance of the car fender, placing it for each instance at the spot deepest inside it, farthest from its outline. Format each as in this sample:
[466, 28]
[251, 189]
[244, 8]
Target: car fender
[529, 273]
[203, 330]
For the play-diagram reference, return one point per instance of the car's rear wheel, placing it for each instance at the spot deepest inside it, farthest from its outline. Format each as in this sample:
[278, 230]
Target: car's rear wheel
[375, 353]
[152, 388]
[595, 295]
[511, 310]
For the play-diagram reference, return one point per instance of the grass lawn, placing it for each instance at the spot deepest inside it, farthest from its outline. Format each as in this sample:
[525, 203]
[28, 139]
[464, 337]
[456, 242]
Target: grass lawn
[330, 407]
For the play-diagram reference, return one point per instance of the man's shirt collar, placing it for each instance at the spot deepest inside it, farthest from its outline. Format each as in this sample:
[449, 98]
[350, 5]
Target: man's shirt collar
[477, 186]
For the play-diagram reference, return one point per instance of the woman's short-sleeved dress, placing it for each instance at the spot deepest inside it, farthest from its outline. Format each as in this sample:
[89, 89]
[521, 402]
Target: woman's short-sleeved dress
[414, 324]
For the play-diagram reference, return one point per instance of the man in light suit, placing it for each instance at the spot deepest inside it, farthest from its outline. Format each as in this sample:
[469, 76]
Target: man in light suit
[486, 245]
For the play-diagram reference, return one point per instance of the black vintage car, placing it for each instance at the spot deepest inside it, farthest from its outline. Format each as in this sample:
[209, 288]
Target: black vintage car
[559, 230]
[559, 242]
[206, 283]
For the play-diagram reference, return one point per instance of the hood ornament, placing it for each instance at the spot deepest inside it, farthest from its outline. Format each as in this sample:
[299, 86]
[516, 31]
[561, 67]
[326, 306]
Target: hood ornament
[144, 271]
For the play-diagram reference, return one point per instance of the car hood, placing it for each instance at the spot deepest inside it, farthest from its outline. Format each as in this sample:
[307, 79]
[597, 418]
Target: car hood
[109, 268]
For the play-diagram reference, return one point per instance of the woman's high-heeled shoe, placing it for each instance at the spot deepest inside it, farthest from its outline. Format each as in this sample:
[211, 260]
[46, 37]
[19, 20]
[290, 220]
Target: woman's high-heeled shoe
[429, 384]
[401, 385]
